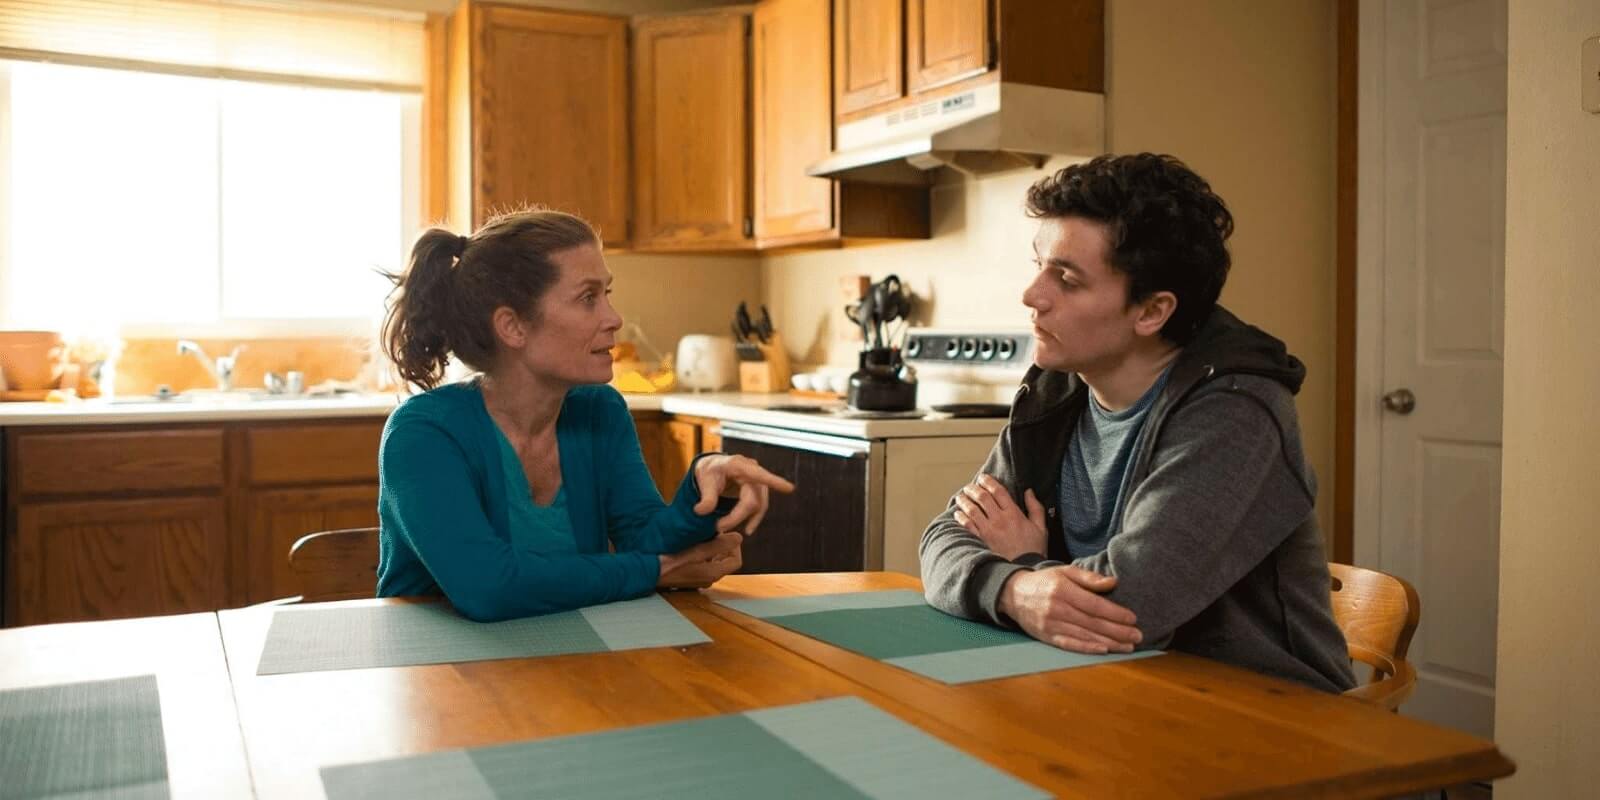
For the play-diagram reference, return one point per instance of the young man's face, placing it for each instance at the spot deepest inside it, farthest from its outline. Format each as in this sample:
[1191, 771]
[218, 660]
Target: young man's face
[1082, 321]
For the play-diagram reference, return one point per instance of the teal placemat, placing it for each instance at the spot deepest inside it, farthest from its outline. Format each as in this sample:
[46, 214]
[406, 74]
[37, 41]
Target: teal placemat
[311, 639]
[898, 627]
[841, 748]
[98, 739]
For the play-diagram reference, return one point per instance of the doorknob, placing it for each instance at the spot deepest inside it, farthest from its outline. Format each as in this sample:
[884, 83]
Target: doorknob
[1400, 401]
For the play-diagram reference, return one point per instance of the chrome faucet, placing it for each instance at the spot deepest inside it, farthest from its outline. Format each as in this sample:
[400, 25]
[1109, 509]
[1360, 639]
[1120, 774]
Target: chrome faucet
[221, 368]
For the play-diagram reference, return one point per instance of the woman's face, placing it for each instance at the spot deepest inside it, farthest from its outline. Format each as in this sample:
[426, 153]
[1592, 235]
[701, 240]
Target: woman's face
[569, 341]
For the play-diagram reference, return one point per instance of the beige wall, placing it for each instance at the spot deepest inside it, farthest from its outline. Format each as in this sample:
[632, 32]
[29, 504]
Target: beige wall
[670, 296]
[1183, 78]
[1547, 710]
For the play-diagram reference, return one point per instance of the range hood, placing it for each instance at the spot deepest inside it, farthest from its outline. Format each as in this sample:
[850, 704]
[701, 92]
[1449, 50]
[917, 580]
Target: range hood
[976, 131]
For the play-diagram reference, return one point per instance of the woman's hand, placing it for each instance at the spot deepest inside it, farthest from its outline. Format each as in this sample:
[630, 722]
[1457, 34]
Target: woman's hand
[701, 565]
[985, 507]
[715, 475]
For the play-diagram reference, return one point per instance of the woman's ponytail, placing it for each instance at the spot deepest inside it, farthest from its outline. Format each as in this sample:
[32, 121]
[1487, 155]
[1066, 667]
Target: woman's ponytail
[416, 331]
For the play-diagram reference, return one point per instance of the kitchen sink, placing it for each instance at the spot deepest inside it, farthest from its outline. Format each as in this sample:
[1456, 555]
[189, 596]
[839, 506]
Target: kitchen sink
[222, 398]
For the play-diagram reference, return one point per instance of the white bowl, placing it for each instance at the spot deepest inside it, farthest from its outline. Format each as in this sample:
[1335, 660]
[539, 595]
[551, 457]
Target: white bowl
[801, 382]
[839, 384]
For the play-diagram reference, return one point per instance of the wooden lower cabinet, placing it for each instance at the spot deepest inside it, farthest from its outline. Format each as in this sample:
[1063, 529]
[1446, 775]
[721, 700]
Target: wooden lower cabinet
[100, 559]
[279, 517]
[104, 522]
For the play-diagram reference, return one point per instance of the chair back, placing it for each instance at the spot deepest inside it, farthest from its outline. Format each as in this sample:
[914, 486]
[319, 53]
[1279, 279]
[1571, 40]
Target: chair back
[336, 565]
[1378, 613]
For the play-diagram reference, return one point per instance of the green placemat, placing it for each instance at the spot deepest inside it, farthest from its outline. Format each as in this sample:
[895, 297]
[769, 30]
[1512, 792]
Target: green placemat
[311, 639]
[898, 627]
[84, 740]
[842, 748]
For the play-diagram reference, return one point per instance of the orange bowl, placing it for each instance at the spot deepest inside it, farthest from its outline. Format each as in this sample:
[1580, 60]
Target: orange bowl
[31, 360]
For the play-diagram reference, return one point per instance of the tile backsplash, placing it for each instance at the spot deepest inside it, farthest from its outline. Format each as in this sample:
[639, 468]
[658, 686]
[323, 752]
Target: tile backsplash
[146, 364]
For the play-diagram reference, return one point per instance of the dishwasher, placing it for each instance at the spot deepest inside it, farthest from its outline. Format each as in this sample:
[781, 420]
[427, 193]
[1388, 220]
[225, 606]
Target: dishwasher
[833, 521]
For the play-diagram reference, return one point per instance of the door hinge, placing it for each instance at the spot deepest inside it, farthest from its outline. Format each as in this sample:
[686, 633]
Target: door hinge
[749, 227]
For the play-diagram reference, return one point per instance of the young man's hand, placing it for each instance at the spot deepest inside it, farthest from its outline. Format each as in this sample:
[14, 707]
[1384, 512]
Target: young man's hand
[985, 507]
[1062, 606]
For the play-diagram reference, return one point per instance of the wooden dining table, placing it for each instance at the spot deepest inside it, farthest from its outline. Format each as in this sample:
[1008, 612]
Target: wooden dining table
[1172, 725]
[204, 753]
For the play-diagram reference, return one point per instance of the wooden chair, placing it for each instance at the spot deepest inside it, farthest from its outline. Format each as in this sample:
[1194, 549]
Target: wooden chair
[1378, 613]
[336, 565]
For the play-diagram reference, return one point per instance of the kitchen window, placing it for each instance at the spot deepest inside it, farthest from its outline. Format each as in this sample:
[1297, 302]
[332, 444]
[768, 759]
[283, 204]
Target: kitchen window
[221, 167]
[139, 198]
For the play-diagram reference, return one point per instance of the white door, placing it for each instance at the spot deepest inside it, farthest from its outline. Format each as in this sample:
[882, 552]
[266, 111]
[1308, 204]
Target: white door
[1438, 254]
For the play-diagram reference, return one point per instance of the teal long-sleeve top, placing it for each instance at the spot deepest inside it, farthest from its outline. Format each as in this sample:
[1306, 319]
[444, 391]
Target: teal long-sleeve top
[445, 509]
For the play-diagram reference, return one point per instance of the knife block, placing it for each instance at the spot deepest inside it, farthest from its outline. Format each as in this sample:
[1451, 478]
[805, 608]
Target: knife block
[771, 373]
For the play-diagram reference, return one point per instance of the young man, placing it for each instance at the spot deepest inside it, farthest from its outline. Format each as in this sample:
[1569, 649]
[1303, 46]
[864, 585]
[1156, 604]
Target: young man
[1150, 490]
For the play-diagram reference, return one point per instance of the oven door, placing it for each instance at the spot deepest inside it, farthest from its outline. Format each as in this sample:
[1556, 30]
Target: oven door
[833, 522]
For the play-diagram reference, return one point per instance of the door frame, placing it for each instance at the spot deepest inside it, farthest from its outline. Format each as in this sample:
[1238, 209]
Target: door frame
[1355, 434]
[1361, 264]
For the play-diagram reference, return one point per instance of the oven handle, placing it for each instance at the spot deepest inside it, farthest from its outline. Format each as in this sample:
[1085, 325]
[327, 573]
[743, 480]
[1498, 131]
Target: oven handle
[810, 442]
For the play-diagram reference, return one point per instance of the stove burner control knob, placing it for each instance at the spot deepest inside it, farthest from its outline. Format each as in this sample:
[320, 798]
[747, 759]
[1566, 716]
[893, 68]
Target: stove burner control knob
[986, 349]
[952, 348]
[1006, 350]
[969, 348]
[913, 348]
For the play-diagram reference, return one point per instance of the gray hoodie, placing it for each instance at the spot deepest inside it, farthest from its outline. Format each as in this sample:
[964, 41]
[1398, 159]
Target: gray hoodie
[1216, 549]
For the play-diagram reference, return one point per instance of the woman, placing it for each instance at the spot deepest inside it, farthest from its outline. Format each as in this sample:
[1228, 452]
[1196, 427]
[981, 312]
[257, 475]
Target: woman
[503, 492]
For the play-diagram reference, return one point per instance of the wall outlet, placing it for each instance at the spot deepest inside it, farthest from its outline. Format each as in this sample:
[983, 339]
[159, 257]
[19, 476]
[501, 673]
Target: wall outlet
[1591, 75]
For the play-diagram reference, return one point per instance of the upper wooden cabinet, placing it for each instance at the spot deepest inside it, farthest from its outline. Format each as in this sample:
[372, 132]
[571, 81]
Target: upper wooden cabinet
[888, 52]
[690, 136]
[793, 118]
[538, 113]
[946, 40]
[867, 53]
[792, 112]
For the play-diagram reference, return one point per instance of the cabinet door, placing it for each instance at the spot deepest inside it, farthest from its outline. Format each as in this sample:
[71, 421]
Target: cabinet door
[946, 40]
[107, 559]
[278, 517]
[652, 433]
[690, 138]
[680, 444]
[549, 114]
[867, 53]
[792, 116]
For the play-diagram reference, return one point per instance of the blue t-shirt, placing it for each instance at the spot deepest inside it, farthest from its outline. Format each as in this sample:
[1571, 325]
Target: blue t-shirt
[1095, 470]
[543, 530]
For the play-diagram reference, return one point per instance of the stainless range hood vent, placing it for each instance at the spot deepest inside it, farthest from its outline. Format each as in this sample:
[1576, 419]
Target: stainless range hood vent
[978, 131]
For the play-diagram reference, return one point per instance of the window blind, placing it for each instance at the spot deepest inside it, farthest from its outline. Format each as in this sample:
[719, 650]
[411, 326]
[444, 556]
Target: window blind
[270, 40]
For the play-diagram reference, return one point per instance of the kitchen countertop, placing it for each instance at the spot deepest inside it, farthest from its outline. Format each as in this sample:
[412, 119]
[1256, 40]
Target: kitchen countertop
[756, 410]
[726, 406]
[118, 412]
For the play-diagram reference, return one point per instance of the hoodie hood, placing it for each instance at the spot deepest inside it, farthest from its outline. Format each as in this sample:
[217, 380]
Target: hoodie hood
[1224, 345]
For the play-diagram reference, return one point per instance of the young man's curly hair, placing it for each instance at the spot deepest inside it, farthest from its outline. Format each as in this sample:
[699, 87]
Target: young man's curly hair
[1167, 229]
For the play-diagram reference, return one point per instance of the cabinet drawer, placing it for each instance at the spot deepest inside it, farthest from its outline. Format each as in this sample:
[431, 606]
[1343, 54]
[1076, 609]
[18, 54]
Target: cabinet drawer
[100, 462]
[313, 453]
